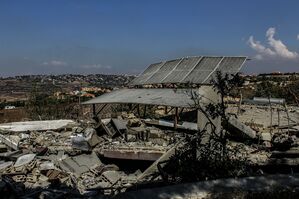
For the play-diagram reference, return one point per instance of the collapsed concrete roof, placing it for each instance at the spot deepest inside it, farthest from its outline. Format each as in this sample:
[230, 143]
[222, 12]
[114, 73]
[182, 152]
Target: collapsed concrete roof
[155, 96]
[36, 125]
[195, 70]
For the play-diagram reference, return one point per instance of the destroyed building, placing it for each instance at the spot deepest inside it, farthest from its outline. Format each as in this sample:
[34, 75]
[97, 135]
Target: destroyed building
[195, 73]
[119, 152]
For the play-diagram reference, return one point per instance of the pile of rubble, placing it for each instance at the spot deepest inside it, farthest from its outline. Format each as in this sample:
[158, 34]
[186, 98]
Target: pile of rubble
[273, 131]
[62, 157]
[54, 156]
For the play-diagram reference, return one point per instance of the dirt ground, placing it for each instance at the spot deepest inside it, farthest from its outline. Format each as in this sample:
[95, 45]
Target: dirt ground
[12, 115]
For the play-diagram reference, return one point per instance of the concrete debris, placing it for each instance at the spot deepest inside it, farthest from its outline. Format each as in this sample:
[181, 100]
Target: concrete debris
[61, 156]
[37, 125]
[237, 128]
[261, 116]
[4, 165]
[77, 129]
[120, 125]
[10, 155]
[112, 176]
[47, 166]
[283, 141]
[134, 122]
[3, 148]
[79, 164]
[44, 154]
[107, 128]
[266, 136]
[23, 160]
[91, 137]
[79, 142]
[190, 126]
[11, 141]
[154, 167]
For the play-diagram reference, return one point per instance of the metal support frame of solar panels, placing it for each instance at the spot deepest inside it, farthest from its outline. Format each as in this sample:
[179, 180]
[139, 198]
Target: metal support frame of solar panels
[193, 70]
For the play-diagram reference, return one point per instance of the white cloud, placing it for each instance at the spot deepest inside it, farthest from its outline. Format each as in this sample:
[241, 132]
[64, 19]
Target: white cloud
[257, 46]
[280, 48]
[97, 66]
[298, 37]
[55, 63]
[276, 47]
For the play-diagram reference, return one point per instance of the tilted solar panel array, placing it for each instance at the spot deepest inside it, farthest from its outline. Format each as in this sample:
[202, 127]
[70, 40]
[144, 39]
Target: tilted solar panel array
[202, 70]
[196, 70]
[182, 70]
[163, 71]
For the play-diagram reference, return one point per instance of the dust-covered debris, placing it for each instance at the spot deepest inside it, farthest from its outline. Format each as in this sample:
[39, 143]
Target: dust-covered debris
[76, 157]
[114, 155]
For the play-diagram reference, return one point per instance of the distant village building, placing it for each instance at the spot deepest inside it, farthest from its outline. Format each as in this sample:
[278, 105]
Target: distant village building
[9, 107]
[85, 94]
[60, 95]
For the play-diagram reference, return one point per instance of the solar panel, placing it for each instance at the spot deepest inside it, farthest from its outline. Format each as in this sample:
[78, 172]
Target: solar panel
[182, 70]
[226, 66]
[163, 71]
[152, 69]
[202, 70]
[196, 70]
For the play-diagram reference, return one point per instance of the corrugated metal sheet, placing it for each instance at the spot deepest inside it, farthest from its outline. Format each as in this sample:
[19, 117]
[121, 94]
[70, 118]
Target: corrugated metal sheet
[197, 70]
[167, 97]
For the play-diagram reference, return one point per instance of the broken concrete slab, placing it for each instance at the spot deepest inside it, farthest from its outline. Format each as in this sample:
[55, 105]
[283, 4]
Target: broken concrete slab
[91, 137]
[240, 130]
[132, 154]
[37, 125]
[154, 167]
[11, 155]
[55, 174]
[101, 183]
[80, 164]
[47, 166]
[87, 140]
[189, 126]
[266, 136]
[4, 165]
[3, 148]
[77, 129]
[23, 160]
[79, 142]
[112, 176]
[120, 125]
[11, 141]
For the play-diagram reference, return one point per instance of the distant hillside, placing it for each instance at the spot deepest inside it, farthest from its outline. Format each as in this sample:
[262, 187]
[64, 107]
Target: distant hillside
[24, 84]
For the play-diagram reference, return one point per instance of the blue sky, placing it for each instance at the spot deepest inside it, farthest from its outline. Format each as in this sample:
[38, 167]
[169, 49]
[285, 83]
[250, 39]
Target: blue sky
[60, 36]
